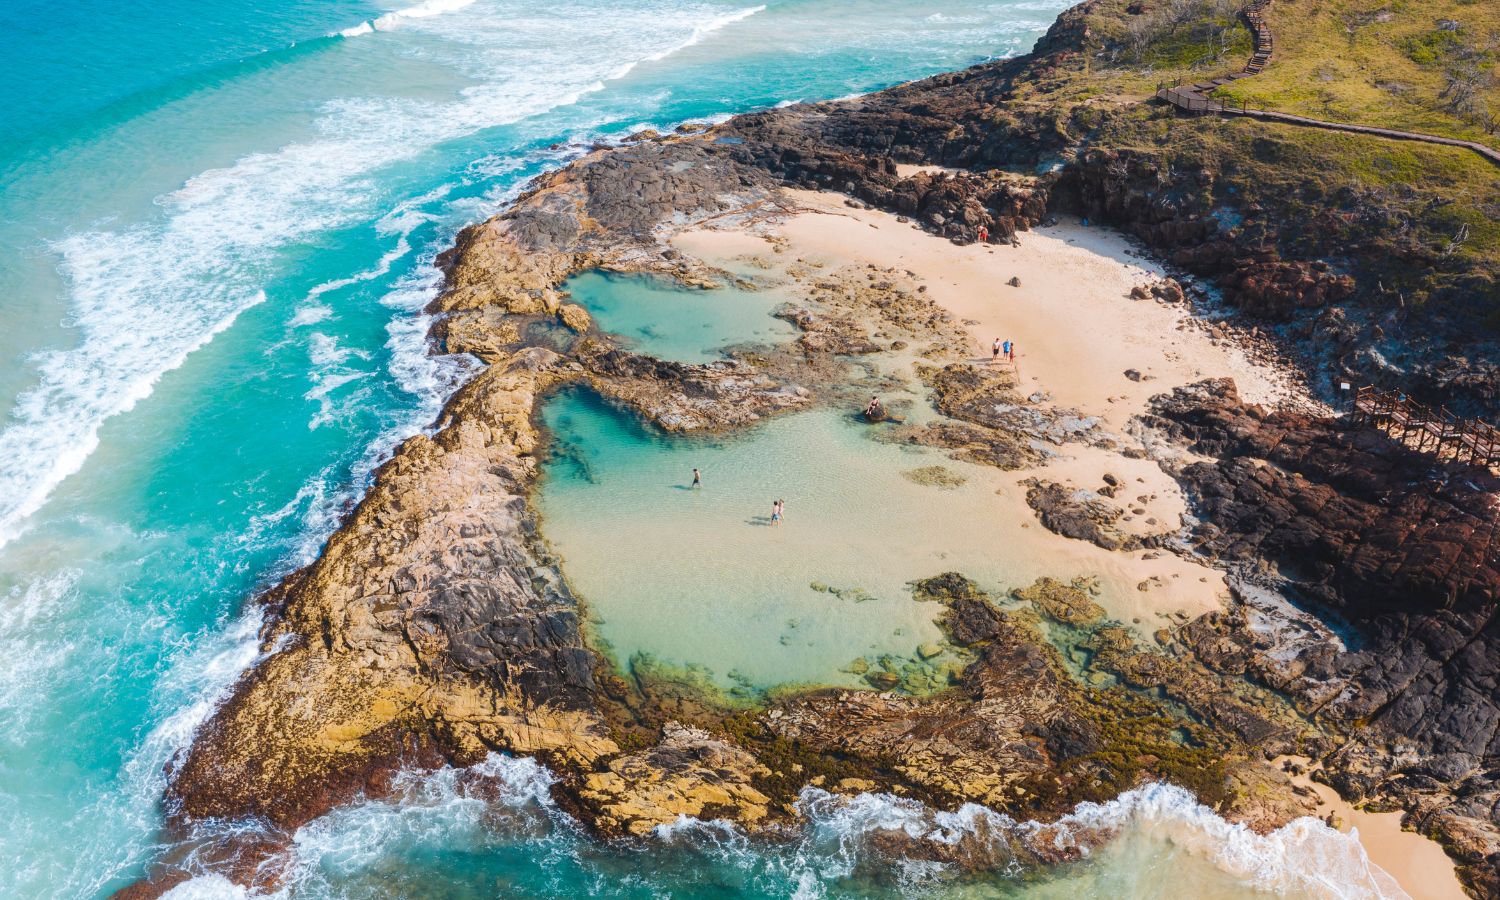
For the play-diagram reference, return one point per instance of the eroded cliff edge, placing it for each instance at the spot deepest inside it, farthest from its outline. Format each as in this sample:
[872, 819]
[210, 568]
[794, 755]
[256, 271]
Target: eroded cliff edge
[434, 628]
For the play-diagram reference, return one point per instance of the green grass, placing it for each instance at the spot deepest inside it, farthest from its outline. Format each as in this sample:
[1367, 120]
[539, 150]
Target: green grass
[1387, 212]
[1387, 209]
[1373, 64]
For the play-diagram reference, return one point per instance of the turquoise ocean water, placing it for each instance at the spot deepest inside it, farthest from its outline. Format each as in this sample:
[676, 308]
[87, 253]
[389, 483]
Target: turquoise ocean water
[217, 221]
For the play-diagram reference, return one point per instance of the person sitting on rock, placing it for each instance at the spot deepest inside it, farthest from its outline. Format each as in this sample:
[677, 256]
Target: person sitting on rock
[874, 411]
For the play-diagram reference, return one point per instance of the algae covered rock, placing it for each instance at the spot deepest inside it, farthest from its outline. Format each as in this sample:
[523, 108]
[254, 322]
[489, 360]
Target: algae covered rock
[574, 317]
[1066, 603]
[935, 476]
[688, 773]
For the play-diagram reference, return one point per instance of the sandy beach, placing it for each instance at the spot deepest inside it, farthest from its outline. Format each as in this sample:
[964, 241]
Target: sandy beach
[1075, 358]
[1418, 864]
[1078, 331]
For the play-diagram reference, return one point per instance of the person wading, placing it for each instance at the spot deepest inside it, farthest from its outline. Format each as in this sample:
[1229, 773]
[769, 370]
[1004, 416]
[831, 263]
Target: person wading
[776, 509]
[697, 479]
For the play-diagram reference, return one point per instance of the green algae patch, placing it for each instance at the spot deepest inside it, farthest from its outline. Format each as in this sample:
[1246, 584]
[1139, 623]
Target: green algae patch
[935, 476]
[791, 765]
[1128, 714]
[1069, 604]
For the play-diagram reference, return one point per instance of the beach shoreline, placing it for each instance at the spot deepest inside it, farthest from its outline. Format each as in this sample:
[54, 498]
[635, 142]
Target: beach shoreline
[1073, 305]
[1128, 453]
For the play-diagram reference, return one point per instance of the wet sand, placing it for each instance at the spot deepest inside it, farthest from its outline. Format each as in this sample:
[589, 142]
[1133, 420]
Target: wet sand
[1418, 864]
[1077, 331]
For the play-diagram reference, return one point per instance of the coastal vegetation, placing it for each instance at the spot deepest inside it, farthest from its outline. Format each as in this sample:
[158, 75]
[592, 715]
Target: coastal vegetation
[1416, 227]
[1428, 67]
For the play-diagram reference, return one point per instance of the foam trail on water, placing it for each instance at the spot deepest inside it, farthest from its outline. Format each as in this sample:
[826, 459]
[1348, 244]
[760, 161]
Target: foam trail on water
[194, 685]
[703, 31]
[1303, 858]
[435, 808]
[144, 297]
[30, 665]
[505, 802]
[380, 268]
[429, 379]
[207, 887]
[699, 33]
[392, 19]
[124, 351]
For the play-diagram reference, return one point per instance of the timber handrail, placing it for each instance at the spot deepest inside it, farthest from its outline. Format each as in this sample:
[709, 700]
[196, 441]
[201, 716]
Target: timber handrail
[1425, 429]
[1194, 99]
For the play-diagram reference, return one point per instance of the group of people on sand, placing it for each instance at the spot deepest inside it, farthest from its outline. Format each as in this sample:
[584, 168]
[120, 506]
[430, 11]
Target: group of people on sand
[777, 508]
[1005, 350]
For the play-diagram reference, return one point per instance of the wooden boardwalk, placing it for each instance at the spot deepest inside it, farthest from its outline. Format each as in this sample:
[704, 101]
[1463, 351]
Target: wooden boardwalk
[1426, 429]
[1195, 99]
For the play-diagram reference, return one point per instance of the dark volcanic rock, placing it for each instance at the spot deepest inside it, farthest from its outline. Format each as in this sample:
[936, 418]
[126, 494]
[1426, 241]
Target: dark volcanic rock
[1397, 545]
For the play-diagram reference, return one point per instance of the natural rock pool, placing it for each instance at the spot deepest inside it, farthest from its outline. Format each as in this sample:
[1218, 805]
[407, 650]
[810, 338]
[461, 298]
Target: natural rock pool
[653, 316]
[701, 577]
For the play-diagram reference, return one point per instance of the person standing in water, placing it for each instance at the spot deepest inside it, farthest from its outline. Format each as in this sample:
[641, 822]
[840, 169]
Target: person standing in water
[776, 509]
[697, 479]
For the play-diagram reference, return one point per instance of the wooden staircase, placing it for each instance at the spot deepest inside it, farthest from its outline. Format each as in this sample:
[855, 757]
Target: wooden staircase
[1426, 429]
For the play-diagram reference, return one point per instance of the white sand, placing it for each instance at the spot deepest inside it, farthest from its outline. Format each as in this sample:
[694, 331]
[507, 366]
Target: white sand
[1419, 865]
[1077, 332]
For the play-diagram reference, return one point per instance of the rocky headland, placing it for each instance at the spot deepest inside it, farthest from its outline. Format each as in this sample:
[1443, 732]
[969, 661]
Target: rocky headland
[436, 627]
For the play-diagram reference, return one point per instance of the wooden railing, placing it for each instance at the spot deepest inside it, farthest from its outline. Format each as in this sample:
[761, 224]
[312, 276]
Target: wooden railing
[1195, 99]
[1426, 429]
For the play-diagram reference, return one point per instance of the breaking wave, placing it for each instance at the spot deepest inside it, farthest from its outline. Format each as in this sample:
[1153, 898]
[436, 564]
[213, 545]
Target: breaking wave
[501, 811]
[144, 297]
[392, 19]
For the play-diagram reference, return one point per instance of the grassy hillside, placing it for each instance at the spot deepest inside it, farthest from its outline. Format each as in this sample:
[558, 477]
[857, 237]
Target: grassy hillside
[1417, 225]
[1417, 65]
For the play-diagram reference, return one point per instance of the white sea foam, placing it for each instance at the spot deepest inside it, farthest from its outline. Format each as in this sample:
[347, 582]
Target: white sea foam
[508, 800]
[436, 809]
[124, 350]
[699, 33]
[1304, 858]
[309, 314]
[393, 19]
[34, 643]
[381, 268]
[319, 504]
[144, 297]
[191, 689]
[207, 887]
[330, 372]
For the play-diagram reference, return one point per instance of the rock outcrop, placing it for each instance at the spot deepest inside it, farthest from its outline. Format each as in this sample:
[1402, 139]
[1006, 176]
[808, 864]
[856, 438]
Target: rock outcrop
[1401, 549]
[428, 629]
[435, 628]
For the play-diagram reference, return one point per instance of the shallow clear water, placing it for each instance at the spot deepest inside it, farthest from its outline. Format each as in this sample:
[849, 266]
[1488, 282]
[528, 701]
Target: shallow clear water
[693, 326]
[703, 577]
[216, 228]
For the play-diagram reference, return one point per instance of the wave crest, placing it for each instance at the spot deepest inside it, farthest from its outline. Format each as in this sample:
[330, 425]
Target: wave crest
[393, 19]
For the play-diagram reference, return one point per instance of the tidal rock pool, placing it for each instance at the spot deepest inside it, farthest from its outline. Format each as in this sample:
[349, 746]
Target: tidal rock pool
[652, 315]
